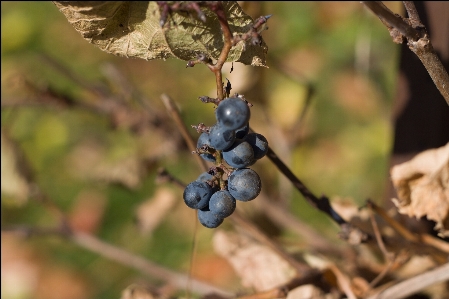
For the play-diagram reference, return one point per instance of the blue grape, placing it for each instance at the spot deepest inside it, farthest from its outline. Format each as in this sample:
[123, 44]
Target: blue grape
[220, 138]
[239, 155]
[244, 184]
[259, 144]
[202, 140]
[232, 113]
[222, 203]
[197, 194]
[242, 132]
[209, 219]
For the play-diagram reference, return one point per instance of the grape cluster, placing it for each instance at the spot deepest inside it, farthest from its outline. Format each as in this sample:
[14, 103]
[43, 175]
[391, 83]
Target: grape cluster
[227, 141]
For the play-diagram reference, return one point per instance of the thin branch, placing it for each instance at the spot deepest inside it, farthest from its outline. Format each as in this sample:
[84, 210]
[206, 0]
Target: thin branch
[394, 21]
[415, 284]
[388, 256]
[311, 277]
[284, 218]
[174, 113]
[412, 14]
[403, 231]
[124, 257]
[322, 203]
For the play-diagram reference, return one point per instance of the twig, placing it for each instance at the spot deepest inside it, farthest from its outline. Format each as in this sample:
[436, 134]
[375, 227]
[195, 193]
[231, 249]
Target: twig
[413, 15]
[416, 238]
[394, 21]
[414, 284]
[418, 42]
[388, 256]
[174, 113]
[284, 218]
[124, 257]
[322, 203]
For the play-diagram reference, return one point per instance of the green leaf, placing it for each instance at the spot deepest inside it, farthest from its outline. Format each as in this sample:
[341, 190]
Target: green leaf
[132, 29]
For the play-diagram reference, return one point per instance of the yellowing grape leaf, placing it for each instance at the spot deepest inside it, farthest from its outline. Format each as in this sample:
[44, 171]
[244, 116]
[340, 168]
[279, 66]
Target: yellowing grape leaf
[422, 185]
[132, 29]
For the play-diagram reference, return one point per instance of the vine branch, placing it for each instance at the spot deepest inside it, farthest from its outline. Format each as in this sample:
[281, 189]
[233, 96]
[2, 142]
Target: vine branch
[417, 40]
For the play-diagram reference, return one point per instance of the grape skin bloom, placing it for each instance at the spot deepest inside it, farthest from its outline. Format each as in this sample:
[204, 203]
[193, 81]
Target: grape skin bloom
[209, 219]
[222, 204]
[244, 184]
[232, 113]
[197, 194]
[220, 138]
[239, 155]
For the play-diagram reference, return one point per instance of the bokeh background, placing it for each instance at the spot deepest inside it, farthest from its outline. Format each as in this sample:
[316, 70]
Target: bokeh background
[324, 103]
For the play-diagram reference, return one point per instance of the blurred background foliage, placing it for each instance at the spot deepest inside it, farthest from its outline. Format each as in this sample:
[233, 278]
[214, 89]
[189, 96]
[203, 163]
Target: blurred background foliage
[94, 172]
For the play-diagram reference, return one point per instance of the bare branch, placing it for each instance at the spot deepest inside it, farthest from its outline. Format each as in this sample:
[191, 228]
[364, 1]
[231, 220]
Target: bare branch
[418, 42]
[415, 284]
[394, 21]
[124, 257]
[417, 238]
[321, 203]
[174, 113]
[412, 14]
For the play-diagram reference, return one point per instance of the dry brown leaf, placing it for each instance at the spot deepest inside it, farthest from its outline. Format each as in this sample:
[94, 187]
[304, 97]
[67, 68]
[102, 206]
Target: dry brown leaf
[257, 265]
[422, 185]
[132, 29]
[151, 212]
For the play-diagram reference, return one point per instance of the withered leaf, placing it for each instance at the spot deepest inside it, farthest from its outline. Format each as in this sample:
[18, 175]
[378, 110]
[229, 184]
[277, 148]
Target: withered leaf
[257, 265]
[422, 185]
[132, 29]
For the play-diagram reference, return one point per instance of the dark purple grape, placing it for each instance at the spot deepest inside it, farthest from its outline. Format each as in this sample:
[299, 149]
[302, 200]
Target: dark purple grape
[259, 144]
[232, 113]
[197, 194]
[222, 203]
[209, 219]
[242, 132]
[244, 184]
[239, 155]
[202, 140]
[221, 138]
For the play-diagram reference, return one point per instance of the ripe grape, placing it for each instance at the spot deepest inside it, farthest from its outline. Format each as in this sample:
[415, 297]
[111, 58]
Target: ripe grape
[209, 219]
[197, 194]
[232, 113]
[222, 203]
[221, 138]
[202, 140]
[244, 184]
[259, 144]
[239, 155]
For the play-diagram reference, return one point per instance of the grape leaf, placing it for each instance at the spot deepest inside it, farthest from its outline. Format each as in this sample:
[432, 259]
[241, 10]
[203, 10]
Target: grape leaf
[132, 29]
